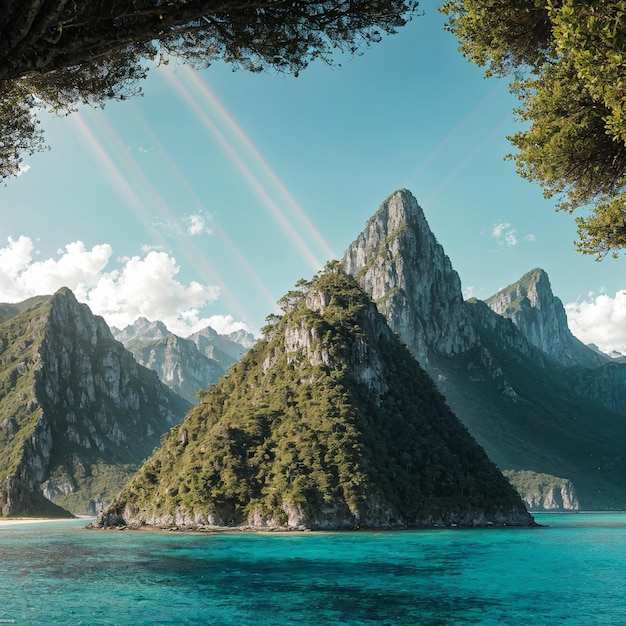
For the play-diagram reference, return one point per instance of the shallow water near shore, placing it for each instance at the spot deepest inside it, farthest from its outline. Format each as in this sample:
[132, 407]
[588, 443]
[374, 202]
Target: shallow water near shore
[569, 572]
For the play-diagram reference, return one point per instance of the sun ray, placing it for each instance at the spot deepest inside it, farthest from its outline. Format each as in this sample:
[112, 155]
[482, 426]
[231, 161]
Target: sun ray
[114, 156]
[257, 281]
[227, 144]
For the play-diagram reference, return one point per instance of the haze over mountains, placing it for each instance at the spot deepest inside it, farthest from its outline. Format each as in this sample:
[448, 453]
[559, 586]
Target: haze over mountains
[186, 365]
[78, 413]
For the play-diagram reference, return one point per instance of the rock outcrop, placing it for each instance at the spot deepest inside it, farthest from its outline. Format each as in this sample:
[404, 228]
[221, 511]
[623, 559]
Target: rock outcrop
[533, 396]
[326, 423]
[77, 413]
[541, 492]
[540, 316]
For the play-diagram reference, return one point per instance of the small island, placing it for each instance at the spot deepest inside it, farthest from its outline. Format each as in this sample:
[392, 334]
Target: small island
[327, 423]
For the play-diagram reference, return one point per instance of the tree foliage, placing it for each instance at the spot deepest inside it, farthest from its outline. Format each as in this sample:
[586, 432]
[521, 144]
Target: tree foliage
[61, 54]
[569, 62]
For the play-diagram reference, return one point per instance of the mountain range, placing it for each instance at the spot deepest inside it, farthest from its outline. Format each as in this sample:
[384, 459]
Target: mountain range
[184, 364]
[534, 396]
[79, 412]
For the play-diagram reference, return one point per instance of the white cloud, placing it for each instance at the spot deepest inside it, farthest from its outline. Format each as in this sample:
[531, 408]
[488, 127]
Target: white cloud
[600, 320]
[194, 224]
[23, 169]
[197, 224]
[21, 277]
[530, 238]
[141, 286]
[504, 234]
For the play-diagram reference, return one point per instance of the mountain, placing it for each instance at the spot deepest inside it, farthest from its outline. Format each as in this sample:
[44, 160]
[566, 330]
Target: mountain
[540, 316]
[327, 422]
[185, 365]
[77, 413]
[178, 363]
[532, 410]
[225, 349]
[141, 330]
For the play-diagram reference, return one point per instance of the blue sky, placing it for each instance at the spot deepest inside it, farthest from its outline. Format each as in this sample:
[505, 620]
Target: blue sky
[205, 200]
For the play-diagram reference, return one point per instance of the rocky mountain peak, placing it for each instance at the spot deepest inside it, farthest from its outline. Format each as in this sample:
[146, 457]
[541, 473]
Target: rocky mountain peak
[141, 330]
[75, 408]
[530, 304]
[398, 261]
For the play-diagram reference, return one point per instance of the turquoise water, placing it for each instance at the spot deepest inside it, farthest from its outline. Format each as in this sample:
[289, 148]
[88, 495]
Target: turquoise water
[571, 572]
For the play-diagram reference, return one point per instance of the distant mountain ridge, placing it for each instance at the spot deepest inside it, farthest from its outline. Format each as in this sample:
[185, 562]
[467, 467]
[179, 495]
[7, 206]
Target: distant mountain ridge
[186, 365]
[535, 398]
[326, 423]
[77, 413]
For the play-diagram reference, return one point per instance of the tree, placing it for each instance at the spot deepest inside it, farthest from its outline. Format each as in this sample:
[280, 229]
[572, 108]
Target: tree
[568, 58]
[60, 53]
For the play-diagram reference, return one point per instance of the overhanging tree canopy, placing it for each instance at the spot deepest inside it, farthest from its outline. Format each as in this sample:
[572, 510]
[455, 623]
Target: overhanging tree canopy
[569, 61]
[62, 53]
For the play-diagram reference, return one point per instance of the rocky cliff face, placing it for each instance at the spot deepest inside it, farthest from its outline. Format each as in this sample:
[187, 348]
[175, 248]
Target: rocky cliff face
[542, 492]
[533, 396]
[326, 423]
[540, 316]
[398, 261]
[184, 365]
[77, 412]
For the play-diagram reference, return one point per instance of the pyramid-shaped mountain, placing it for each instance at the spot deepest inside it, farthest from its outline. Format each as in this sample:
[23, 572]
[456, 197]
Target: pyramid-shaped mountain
[327, 422]
[530, 394]
[77, 413]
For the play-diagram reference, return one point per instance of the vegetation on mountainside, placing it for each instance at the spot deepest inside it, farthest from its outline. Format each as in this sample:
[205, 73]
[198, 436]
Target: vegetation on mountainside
[300, 427]
[63, 54]
[76, 412]
[527, 482]
[551, 424]
[19, 361]
[94, 483]
[569, 59]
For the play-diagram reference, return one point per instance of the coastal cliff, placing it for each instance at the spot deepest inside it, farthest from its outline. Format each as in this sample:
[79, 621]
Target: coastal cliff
[542, 492]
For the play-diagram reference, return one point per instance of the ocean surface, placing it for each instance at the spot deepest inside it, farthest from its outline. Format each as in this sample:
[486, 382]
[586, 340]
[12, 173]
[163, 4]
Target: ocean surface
[573, 571]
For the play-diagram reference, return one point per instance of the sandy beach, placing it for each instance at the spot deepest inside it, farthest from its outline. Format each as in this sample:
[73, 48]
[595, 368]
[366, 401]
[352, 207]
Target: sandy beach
[13, 521]
[4, 521]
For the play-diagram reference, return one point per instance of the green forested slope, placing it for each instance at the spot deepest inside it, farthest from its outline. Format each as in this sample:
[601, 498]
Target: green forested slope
[327, 422]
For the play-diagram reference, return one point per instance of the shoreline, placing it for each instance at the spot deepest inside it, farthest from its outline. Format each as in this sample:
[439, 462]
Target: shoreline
[11, 521]
[19, 521]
